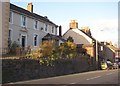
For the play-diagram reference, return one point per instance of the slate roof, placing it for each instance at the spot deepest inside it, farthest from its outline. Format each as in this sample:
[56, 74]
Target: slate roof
[26, 12]
[51, 36]
[113, 47]
[84, 33]
[88, 35]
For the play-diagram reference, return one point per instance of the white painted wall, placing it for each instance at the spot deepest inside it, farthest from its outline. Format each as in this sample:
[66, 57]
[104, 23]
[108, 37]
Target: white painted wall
[78, 36]
[16, 28]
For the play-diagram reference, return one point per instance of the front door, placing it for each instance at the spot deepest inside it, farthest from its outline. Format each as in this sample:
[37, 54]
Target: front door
[23, 41]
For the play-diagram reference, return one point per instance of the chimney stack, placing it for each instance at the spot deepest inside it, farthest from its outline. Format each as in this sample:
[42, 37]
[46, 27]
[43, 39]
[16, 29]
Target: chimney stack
[60, 30]
[86, 30]
[30, 7]
[73, 24]
[110, 43]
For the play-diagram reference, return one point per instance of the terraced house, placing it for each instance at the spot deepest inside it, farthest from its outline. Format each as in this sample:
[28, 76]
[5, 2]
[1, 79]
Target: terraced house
[28, 28]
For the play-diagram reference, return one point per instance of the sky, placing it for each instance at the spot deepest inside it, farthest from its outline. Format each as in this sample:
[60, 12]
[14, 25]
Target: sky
[101, 17]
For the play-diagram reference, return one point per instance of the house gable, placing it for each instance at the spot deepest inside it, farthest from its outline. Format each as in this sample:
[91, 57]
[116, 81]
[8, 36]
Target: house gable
[78, 36]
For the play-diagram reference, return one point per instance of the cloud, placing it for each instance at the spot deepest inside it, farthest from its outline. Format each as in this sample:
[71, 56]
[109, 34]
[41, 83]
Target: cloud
[102, 30]
[105, 30]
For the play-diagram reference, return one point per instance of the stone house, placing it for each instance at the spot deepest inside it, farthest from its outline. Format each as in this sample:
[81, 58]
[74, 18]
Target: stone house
[81, 37]
[28, 28]
[109, 51]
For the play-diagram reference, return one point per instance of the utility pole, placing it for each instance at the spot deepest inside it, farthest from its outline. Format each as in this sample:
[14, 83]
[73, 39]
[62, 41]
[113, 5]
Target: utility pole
[96, 51]
[96, 54]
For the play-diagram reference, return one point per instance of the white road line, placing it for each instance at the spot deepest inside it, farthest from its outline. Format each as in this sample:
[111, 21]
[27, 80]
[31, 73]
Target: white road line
[11, 83]
[72, 83]
[93, 78]
[109, 74]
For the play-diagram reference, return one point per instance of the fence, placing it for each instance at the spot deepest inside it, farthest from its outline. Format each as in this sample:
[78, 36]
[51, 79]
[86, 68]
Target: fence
[19, 51]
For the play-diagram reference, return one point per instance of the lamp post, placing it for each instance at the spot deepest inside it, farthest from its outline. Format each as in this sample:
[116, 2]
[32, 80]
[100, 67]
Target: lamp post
[96, 51]
[96, 55]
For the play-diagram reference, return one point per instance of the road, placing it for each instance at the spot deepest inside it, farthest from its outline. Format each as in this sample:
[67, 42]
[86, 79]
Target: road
[93, 77]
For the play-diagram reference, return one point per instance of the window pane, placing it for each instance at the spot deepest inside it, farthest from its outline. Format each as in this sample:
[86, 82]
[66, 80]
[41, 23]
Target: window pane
[36, 22]
[46, 27]
[52, 29]
[35, 40]
[23, 20]
[10, 17]
[9, 34]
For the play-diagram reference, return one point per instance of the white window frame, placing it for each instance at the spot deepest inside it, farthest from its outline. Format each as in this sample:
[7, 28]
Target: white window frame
[45, 27]
[22, 21]
[53, 29]
[34, 40]
[21, 39]
[35, 24]
[11, 22]
[11, 34]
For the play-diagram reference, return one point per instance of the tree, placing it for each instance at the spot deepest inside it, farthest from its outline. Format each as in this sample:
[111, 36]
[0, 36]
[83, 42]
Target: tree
[70, 39]
[47, 48]
[67, 50]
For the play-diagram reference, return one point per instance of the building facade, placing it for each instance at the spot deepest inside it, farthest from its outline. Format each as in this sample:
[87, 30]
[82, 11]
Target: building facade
[27, 28]
[81, 37]
[109, 51]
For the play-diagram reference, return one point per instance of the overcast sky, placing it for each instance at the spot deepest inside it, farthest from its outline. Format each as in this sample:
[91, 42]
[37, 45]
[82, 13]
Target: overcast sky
[101, 17]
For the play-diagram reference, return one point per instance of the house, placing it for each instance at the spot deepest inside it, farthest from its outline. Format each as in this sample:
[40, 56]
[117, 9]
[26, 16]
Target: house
[81, 37]
[4, 25]
[109, 51]
[117, 55]
[56, 40]
[28, 28]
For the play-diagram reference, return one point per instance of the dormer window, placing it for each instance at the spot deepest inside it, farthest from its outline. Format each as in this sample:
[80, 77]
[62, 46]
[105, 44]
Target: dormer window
[23, 21]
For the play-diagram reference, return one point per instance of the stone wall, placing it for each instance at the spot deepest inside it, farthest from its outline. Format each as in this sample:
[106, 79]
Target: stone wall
[14, 70]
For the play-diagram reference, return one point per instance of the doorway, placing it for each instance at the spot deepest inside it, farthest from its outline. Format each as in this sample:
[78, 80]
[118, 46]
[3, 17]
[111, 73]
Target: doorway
[23, 40]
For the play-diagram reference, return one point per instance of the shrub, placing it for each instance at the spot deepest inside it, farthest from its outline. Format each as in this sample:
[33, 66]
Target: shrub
[13, 47]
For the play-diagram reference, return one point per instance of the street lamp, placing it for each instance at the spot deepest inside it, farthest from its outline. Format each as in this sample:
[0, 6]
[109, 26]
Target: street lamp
[96, 53]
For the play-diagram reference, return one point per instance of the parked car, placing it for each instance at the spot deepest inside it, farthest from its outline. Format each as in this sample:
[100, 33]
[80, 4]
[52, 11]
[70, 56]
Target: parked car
[103, 65]
[115, 66]
[118, 64]
[109, 65]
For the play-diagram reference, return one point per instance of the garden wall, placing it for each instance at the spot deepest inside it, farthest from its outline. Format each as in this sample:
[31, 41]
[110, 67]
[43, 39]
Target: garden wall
[14, 70]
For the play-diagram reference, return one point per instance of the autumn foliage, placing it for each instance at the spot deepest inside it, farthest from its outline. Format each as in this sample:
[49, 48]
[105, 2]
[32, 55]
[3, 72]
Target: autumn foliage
[47, 52]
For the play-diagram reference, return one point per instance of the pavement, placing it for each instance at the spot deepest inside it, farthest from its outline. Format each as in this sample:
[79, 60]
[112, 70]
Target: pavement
[94, 77]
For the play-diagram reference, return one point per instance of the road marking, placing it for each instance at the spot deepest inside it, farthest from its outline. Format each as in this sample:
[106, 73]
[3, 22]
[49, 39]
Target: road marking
[11, 83]
[109, 74]
[93, 78]
[72, 83]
